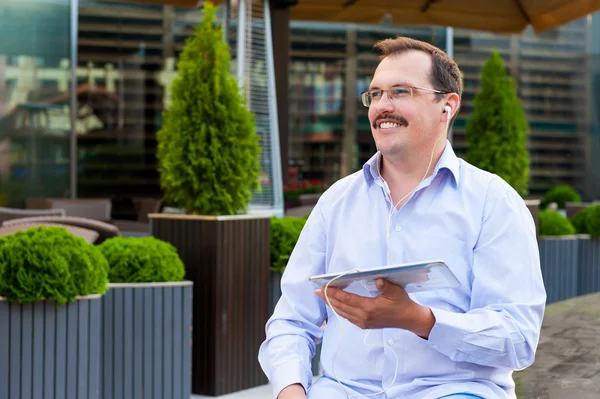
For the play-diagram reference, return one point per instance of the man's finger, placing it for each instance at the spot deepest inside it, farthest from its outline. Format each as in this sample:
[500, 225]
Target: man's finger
[345, 308]
[345, 297]
[389, 289]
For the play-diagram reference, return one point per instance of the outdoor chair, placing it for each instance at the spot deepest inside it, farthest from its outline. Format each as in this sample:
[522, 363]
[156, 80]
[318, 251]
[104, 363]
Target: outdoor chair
[88, 235]
[12, 213]
[104, 230]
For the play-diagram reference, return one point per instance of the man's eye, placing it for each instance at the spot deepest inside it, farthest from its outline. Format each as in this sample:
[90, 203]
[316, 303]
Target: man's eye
[376, 94]
[400, 91]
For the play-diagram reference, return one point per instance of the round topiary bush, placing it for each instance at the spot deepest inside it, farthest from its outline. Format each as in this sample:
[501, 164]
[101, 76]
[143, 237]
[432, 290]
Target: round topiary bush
[593, 220]
[561, 195]
[554, 224]
[142, 260]
[45, 263]
[579, 221]
[284, 235]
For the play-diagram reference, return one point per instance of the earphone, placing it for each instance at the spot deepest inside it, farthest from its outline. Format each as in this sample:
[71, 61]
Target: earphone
[447, 109]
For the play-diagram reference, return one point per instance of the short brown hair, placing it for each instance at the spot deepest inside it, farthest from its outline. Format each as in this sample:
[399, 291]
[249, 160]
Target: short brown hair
[444, 76]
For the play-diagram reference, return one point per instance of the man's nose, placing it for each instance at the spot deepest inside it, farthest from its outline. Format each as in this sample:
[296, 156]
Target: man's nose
[384, 104]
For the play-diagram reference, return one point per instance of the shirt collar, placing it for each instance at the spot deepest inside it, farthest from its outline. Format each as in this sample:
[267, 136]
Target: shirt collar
[448, 161]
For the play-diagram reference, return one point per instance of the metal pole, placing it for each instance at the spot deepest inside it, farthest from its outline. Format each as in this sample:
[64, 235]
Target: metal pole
[226, 8]
[240, 52]
[273, 119]
[74, 103]
[450, 52]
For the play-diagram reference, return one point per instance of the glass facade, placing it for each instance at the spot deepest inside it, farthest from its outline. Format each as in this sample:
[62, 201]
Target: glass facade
[126, 61]
[35, 111]
[554, 74]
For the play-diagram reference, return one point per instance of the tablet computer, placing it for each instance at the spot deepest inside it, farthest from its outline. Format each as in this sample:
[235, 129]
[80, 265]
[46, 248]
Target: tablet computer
[413, 277]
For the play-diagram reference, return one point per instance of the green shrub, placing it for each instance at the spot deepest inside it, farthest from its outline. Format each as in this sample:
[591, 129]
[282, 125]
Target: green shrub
[207, 149]
[142, 260]
[50, 263]
[284, 235]
[554, 224]
[593, 220]
[579, 221]
[496, 131]
[561, 195]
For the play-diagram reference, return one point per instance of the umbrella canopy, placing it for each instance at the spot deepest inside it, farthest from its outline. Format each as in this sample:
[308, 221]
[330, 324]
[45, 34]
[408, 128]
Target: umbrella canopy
[507, 16]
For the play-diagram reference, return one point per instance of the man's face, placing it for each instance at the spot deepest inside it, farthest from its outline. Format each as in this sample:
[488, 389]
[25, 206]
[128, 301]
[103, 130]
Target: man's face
[407, 123]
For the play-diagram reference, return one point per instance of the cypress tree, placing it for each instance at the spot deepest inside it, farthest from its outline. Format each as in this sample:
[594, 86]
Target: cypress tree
[208, 150]
[497, 129]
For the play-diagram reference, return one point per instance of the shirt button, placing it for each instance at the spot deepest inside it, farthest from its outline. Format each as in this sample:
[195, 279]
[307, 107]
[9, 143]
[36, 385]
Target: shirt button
[398, 228]
[391, 342]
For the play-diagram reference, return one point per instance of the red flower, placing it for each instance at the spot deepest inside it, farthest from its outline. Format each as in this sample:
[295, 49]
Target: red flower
[286, 189]
[305, 185]
[315, 183]
[294, 186]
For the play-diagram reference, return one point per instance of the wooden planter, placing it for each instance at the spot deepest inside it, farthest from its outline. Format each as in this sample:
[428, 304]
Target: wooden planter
[49, 350]
[228, 260]
[146, 341]
[559, 258]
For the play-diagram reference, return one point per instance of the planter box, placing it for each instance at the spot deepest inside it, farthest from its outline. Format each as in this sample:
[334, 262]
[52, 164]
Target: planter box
[146, 341]
[228, 260]
[559, 258]
[589, 265]
[49, 350]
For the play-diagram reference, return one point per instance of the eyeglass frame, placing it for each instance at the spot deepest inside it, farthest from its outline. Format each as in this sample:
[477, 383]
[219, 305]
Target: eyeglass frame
[411, 88]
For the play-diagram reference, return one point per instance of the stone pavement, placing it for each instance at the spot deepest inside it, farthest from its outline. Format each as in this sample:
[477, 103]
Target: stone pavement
[567, 364]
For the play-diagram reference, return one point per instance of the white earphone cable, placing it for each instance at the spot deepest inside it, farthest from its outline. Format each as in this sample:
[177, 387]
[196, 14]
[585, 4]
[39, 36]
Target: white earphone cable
[393, 208]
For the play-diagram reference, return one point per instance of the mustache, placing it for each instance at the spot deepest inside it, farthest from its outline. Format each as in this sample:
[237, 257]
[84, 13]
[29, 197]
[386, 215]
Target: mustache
[396, 118]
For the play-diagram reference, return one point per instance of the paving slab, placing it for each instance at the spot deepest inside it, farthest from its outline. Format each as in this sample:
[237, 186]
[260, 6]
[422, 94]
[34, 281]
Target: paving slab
[567, 364]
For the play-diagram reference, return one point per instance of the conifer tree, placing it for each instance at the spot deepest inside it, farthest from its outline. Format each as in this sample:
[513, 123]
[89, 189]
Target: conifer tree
[496, 132]
[208, 150]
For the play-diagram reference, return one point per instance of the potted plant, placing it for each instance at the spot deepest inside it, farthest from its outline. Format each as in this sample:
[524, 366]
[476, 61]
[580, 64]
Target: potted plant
[559, 256]
[497, 129]
[561, 195]
[146, 321]
[208, 161]
[587, 226]
[51, 283]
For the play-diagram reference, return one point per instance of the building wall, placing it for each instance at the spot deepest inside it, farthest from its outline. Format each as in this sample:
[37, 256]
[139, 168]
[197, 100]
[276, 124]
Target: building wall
[552, 72]
[35, 126]
[126, 60]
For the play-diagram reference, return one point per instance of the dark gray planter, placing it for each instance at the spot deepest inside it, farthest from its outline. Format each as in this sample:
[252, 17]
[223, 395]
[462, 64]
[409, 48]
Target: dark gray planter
[49, 350]
[589, 265]
[559, 258]
[146, 341]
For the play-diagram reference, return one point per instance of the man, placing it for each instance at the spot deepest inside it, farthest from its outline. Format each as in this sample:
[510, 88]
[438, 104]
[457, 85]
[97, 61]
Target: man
[414, 200]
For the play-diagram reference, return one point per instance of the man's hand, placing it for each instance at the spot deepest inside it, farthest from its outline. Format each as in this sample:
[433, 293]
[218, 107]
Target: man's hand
[393, 308]
[295, 391]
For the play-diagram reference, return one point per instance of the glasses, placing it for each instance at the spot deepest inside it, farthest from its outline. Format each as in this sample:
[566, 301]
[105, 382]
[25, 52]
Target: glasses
[395, 94]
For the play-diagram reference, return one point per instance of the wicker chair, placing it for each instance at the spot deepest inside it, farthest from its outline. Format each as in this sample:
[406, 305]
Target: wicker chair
[104, 230]
[11, 213]
[88, 235]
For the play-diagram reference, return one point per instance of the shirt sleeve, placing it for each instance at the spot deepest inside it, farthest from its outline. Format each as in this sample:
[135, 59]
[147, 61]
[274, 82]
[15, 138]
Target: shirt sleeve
[294, 329]
[508, 296]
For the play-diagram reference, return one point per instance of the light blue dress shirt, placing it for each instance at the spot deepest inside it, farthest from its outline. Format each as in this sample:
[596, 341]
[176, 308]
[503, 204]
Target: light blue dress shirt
[484, 330]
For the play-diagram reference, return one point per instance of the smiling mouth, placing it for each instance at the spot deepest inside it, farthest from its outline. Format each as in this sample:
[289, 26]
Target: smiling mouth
[389, 125]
